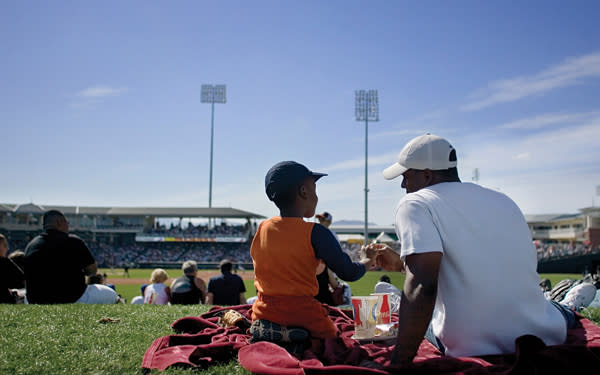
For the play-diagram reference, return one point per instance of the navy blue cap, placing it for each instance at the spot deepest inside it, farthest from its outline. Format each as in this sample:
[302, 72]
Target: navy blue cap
[285, 174]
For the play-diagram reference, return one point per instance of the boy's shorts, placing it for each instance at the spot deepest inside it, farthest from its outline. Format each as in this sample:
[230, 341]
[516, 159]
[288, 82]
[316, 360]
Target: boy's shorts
[295, 311]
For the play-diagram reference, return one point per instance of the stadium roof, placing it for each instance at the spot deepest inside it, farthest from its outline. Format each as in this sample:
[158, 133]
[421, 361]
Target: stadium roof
[188, 212]
[544, 218]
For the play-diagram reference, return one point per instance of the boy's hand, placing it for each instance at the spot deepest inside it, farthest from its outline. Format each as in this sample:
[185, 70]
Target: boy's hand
[320, 267]
[368, 257]
[368, 251]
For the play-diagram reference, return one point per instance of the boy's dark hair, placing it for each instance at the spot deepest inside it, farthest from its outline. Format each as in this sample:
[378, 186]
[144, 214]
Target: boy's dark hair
[385, 279]
[283, 180]
[286, 198]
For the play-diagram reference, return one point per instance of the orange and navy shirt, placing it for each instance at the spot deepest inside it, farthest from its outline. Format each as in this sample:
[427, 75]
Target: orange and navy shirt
[285, 253]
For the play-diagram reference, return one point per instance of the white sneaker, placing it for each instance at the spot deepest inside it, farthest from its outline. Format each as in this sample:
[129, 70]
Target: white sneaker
[580, 296]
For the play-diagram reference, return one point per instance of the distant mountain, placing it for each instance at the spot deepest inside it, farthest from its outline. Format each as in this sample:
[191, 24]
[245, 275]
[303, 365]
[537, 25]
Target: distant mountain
[350, 222]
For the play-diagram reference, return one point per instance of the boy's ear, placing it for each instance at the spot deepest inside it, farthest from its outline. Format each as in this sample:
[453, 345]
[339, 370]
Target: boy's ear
[302, 191]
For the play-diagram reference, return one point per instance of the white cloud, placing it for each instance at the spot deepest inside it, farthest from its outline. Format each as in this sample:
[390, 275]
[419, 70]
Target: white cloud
[101, 91]
[522, 156]
[376, 160]
[540, 121]
[570, 72]
[564, 148]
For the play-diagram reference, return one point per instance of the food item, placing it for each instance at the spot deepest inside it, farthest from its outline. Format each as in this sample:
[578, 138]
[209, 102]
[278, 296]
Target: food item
[231, 318]
[386, 330]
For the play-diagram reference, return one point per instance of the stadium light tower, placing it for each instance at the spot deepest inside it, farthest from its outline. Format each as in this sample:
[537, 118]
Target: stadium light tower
[212, 94]
[366, 109]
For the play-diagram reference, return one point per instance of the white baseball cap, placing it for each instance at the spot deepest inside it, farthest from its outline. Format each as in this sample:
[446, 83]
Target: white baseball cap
[424, 152]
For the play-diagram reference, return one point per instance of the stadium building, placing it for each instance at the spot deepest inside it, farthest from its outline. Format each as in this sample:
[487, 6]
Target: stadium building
[166, 236]
[143, 236]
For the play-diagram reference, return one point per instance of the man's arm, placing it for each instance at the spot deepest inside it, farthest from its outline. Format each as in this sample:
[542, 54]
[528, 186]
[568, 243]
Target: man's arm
[242, 298]
[209, 298]
[417, 303]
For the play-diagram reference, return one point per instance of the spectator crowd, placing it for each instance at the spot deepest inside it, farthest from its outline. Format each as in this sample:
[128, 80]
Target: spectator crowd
[556, 250]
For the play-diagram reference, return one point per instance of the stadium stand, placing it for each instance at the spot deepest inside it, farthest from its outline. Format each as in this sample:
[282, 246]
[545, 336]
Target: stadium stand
[165, 236]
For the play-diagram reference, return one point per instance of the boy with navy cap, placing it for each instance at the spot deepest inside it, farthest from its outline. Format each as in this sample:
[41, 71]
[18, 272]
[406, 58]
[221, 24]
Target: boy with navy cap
[286, 251]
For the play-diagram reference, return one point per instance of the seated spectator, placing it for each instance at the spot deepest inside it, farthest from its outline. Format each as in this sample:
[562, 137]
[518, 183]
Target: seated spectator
[11, 276]
[384, 285]
[545, 285]
[226, 289]
[70, 260]
[18, 257]
[327, 284]
[188, 289]
[157, 293]
[286, 251]
[100, 278]
[139, 300]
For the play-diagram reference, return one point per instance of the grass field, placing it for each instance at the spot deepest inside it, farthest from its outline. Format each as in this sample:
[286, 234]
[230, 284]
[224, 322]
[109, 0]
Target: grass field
[68, 339]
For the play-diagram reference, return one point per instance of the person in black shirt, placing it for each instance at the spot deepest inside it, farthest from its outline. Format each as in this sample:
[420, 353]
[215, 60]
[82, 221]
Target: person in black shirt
[11, 276]
[227, 289]
[69, 259]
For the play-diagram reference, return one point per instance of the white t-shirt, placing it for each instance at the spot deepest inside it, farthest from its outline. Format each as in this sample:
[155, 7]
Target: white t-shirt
[156, 294]
[488, 286]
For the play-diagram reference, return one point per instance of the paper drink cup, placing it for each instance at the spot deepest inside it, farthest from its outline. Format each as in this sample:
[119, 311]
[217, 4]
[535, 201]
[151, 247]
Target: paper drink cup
[365, 319]
[383, 313]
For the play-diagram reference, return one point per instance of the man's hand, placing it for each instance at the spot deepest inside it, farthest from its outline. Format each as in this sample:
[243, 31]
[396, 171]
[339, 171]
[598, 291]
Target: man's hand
[387, 258]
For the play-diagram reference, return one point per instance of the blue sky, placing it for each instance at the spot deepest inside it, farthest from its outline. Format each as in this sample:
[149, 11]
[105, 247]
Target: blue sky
[100, 101]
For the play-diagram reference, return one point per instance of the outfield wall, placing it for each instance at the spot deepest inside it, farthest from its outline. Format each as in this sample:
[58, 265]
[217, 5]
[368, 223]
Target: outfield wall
[574, 264]
[201, 266]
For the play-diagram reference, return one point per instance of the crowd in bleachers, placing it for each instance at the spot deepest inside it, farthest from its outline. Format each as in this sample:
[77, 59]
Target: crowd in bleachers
[201, 230]
[139, 253]
[554, 250]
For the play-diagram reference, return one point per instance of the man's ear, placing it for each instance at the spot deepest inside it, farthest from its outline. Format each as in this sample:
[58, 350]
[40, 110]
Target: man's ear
[428, 174]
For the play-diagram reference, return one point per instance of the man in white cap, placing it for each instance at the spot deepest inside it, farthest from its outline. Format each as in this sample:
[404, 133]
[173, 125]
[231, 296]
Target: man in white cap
[458, 239]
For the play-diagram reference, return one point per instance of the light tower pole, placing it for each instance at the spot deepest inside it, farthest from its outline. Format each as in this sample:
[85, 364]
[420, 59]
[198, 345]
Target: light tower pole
[212, 94]
[366, 109]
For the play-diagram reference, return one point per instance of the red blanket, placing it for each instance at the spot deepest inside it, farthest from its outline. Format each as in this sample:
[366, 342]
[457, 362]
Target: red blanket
[203, 343]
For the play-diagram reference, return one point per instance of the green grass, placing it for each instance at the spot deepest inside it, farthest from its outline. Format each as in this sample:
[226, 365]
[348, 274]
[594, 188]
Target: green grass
[67, 339]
